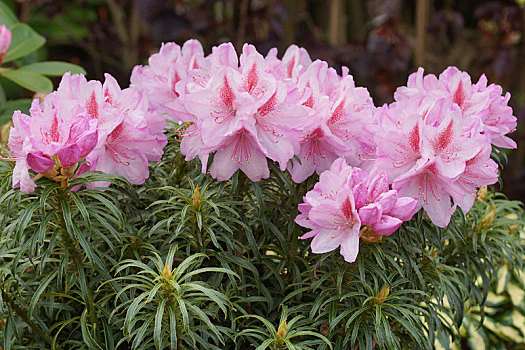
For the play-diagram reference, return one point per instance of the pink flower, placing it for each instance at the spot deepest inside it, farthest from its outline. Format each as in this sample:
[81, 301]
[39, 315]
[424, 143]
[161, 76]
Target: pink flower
[50, 142]
[243, 115]
[337, 125]
[294, 62]
[20, 145]
[129, 134]
[344, 200]
[112, 129]
[5, 41]
[434, 141]
[425, 152]
[479, 171]
[352, 120]
[498, 120]
[225, 114]
[483, 108]
[164, 80]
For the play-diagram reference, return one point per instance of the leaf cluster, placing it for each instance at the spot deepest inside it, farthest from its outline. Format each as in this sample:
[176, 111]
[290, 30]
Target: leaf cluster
[186, 262]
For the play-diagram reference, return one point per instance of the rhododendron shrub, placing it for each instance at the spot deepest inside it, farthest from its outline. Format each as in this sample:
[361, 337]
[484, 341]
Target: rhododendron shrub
[252, 201]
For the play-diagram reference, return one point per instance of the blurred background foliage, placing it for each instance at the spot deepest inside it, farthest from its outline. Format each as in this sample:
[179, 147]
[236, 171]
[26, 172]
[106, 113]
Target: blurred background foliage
[382, 41]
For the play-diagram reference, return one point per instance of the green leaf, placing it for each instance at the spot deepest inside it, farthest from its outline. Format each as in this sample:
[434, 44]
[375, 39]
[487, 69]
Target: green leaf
[265, 344]
[29, 80]
[86, 334]
[53, 68]
[24, 40]
[173, 328]
[39, 291]
[7, 16]
[2, 98]
[6, 113]
[157, 331]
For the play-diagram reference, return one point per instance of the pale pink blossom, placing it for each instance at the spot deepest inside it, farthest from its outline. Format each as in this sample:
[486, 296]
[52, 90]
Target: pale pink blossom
[112, 129]
[244, 115]
[20, 145]
[425, 153]
[343, 201]
[484, 109]
[164, 79]
[338, 124]
[49, 140]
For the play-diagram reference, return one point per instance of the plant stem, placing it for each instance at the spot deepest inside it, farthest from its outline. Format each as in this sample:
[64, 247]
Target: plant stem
[76, 255]
[23, 315]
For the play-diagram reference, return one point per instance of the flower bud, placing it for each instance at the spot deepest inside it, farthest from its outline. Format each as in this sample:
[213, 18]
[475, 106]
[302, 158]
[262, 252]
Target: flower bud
[368, 235]
[489, 217]
[5, 41]
[282, 331]
[382, 295]
[166, 272]
[196, 199]
[482, 193]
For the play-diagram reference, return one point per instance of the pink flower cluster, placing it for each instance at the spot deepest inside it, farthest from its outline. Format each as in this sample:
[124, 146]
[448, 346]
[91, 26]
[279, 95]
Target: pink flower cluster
[433, 143]
[345, 200]
[111, 129]
[248, 109]
[435, 140]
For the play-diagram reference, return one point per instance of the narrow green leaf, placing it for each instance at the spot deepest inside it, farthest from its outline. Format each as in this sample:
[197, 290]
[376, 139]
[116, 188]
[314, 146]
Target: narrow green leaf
[210, 293]
[108, 335]
[86, 334]
[53, 68]
[39, 291]
[173, 328]
[157, 331]
[142, 333]
[82, 208]
[29, 80]
[265, 344]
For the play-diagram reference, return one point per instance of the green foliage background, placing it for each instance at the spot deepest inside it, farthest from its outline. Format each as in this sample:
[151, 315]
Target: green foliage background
[186, 262]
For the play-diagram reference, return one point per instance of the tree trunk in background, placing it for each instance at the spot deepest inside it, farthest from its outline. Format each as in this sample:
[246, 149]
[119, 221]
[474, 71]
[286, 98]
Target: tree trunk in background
[289, 24]
[336, 24]
[241, 29]
[519, 154]
[357, 28]
[422, 12]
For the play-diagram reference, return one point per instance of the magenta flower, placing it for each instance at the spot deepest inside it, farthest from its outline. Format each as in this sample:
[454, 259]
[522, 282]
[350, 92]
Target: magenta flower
[5, 41]
[343, 201]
